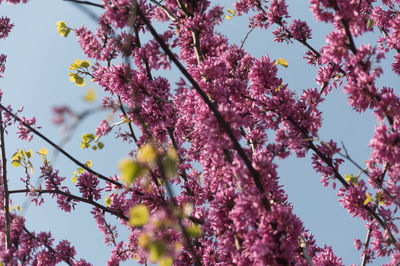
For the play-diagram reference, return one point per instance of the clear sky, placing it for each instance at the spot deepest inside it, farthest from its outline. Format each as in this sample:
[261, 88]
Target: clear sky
[36, 77]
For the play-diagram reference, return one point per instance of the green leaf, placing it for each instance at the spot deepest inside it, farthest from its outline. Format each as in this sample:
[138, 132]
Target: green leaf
[88, 137]
[139, 215]
[85, 145]
[166, 261]
[29, 154]
[72, 76]
[283, 62]
[370, 23]
[194, 231]
[66, 32]
[79, 81]
[43, 151]
[16, 163]
[147, 153]
[100, 145]
[130, 170]
[157, 250]
[368, 199]
[85, 64]
[90, 95]
[61, 24]
[16, 156]
[62, 29]
[108, 201]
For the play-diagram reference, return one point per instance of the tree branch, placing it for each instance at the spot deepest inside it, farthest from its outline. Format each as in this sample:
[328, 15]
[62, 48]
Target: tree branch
[61, 150]
[74, 197]
[85, 3]
[253, 172]
[5, 185]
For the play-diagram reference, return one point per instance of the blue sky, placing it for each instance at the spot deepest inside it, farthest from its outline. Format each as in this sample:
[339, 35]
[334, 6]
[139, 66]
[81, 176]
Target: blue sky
[36, 77]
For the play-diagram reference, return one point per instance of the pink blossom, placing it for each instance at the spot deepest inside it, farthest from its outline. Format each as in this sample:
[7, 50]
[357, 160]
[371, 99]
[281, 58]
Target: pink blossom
[5, 27]
[103, 129]
[2, 64]
[300, 30]
[88, 186]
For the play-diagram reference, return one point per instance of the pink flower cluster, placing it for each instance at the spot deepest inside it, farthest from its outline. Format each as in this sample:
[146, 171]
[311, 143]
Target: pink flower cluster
[227, 121]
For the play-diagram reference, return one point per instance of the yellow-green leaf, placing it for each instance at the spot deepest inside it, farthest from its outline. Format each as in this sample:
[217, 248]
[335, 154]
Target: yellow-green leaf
[139, 215]
[61, 24]
[194, 230]
[169, 163]
[166, 261]
[231, 12]
[279, 87]
[78, 62]
[90, 95]
[89, 163]
[73, 66]
[85, 64]
[157, 250]
[16, 156]
[228, 17]
[147, 153]
[72, 76]
[16, 163]
[87, 137]
[74, 179]
[108, 201]
[29, 154]
[283, 62]
[62, 28]
[79, 81]
[368, 199]
[370, 23]
[43, 151]
[144, 240]
[84, 145]
[130, 170]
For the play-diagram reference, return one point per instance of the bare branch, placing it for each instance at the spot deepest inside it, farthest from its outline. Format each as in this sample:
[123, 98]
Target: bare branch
[61, 150]
[85, 3]
[5, 185]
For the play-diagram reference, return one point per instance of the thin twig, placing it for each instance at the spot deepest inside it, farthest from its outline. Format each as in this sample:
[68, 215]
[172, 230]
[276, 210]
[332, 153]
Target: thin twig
[366, 244]
[73, 197]
[171, 17]
[247, 36]
[61, 150]
[306, 256]
[196, 46]
[85, 3]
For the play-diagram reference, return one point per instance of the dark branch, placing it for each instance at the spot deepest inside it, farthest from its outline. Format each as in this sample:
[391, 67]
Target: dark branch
[61, 150]
[85, 3]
